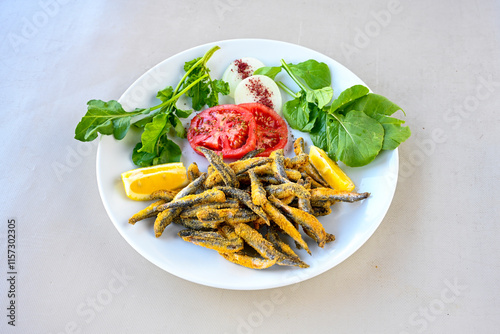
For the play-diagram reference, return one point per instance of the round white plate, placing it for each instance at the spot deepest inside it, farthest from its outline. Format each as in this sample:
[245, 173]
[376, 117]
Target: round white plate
[352, 224]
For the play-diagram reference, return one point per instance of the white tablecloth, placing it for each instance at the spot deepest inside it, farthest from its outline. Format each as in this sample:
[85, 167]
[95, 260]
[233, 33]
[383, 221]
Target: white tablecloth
[432, 265]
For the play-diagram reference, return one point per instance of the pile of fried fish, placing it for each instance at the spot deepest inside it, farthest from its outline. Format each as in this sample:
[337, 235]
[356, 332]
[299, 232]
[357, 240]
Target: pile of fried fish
[247, 209]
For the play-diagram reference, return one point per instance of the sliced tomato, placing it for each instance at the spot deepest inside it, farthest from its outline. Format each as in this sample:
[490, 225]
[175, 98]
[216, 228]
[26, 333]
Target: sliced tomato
[271, 129]
[228, 129]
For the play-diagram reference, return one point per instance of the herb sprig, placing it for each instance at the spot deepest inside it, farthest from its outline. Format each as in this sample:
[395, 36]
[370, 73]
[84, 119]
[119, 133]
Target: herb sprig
[162, 120]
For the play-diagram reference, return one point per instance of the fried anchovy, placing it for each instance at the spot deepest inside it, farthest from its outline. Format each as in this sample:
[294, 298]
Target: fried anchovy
[211, 195]
[226, 172]
[239, 167]
[213, 178]
[258, 223]
[164, 194]
[304, 204]
[299, 146]
[259, 196]
[288, 189]
[321, 211]
[308, 167]
[244, 198]
[212, 240]
[311, 171]
[191, 212]
[314, 183]
[216, 214]
[257, 241]
[196, 224]
[164, 219]
[269, 179]
[267, 170]
[248, 261]
[193, 172]
[253, 153]
[297, 161]
[191, 187]
[306, 220]
[150, 211]
[229, 233]
[278, 165]
[281, 246]
[326, 194]
[288, 200]
[285, 225]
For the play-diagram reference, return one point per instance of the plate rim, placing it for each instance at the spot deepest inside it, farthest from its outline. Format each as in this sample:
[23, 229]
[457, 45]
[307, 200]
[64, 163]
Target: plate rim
[367, 234]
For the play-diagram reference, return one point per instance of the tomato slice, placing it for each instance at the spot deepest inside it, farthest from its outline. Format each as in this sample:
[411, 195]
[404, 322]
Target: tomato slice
[271, 129]
[227, 129]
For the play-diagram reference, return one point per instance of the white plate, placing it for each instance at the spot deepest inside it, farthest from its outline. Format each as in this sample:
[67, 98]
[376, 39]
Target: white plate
[352, 224]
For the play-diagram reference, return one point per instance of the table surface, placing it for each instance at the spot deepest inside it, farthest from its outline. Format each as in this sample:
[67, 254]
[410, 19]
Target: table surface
[431, 266]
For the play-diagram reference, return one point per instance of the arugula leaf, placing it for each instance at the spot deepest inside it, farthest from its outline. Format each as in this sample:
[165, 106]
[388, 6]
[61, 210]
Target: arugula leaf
[296, 113]
[318, 132]
[271, 72]
[182, 113]
[300, 114]
[353, 129]
[152, 133]
[140, 158]
[315, 74]
[355, 138]
[165, 94]
[380, 108]
[169, 152]
[394, 133]
[321, 96]
[349, 95]
[106, 118]
[302, 111]
[180, 131]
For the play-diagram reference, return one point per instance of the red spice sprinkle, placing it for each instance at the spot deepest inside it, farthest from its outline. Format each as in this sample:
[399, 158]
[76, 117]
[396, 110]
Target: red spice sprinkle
[260, 92]
[243, 68]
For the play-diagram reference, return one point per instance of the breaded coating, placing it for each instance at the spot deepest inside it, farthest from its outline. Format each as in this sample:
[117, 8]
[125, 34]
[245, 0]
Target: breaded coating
[326, 194]
[226, 172]
[164, 219]
[213, 240]
[257, 241]
[248, 261]
[164, 194]
[193, 172]
[259, 196]
[245, 199]
[306, 220]
[278, 165]
[285, 225]
[150, 211]
[211, 195]
[288, 189]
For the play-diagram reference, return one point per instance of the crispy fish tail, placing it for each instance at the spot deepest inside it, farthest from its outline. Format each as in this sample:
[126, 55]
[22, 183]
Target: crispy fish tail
[248, 261]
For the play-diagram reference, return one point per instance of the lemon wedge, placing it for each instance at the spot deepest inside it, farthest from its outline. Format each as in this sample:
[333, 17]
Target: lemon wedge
[329, 169]
[141, 182]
